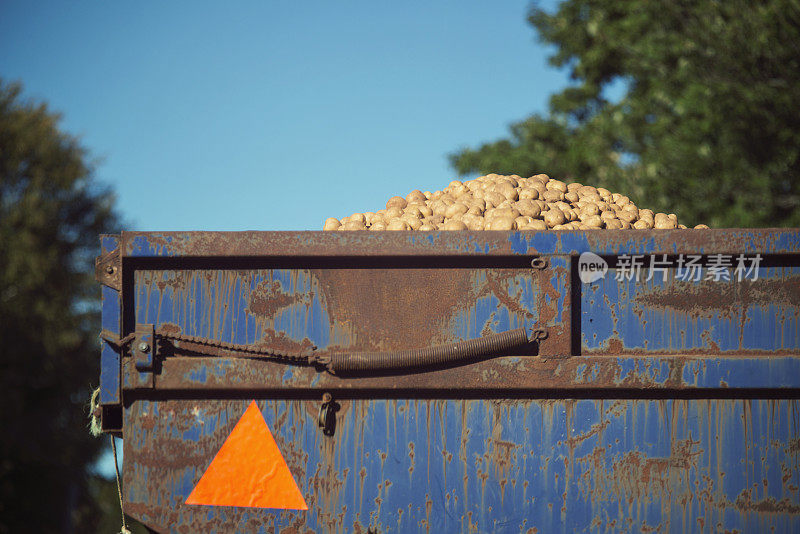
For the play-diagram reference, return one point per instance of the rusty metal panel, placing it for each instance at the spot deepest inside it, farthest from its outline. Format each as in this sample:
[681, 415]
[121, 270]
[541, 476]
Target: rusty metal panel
[485, 465]
[363, 244]
[673, 316]
[110, 390]
[650, 406]
[669, 335]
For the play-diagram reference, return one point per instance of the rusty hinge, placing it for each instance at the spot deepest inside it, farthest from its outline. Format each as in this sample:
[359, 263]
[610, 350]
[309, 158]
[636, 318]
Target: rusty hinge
[108, 269]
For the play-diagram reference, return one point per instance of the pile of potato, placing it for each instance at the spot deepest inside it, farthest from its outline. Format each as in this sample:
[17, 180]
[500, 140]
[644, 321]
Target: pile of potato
[495, 202]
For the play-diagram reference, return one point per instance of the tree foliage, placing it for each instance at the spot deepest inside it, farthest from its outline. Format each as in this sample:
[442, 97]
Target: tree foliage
[708, 126]
[51, 212]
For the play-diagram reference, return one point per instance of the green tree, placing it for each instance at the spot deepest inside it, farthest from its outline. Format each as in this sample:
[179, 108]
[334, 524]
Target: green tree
[51, 212]
[708, 126]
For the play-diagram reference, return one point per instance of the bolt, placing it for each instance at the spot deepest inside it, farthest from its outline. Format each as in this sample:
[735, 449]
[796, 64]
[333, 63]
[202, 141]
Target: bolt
[144, 347]
[110, 269]
[326, 398]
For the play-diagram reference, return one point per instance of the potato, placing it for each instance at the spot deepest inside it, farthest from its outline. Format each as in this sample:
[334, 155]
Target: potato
[413, 210]
[454, 225]
[608, 215]
[528, 193]
[416, 196]
[412, 221]
[628, 216]
[594, 221]
[473, 185]
[510, 212]
[398, 202]
[503, 222]
[331, 223]
[605, 194]
[527, 207]
[574, 186]
[397, 224]
[508, 203]
[554, 217]
[553, 195]
[354, 225]
[665, 224]
[590, 210]
[455, 209]
[475, 223]
[438, 207]
[508, 191]
[493, 198]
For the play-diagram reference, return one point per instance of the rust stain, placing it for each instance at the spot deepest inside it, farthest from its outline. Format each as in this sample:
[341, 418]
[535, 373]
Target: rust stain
[269, 297]
[745, 503]
[396, 309]
[729, 298]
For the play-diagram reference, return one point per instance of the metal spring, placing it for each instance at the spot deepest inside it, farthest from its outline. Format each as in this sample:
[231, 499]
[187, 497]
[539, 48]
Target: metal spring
[430, 356]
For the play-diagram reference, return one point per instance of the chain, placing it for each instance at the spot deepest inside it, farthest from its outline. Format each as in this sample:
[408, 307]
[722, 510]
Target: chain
[200, 342]
[294, 357]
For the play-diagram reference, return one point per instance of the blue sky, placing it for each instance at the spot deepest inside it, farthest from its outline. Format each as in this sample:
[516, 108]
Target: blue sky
[275, 115]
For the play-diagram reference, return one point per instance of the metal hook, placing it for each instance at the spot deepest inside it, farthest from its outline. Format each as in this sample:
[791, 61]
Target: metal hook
[326, 419]
[539, 263]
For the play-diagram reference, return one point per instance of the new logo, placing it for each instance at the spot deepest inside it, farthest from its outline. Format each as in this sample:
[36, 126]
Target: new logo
[591, 267]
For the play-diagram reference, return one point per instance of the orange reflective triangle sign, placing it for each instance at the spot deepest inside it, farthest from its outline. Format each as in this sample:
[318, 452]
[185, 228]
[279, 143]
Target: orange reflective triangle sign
[249, 470]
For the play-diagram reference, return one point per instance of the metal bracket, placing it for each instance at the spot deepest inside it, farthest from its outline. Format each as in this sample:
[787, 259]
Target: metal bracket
[143, 349]
[553, 277]
[108, 269]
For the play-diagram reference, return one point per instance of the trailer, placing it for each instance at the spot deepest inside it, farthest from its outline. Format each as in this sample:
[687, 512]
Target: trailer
[559, 381]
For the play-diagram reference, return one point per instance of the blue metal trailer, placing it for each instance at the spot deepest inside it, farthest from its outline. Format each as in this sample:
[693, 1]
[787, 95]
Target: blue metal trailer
[605, 381]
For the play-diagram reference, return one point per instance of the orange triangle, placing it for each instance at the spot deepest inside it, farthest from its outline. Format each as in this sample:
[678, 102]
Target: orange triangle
[249, 470]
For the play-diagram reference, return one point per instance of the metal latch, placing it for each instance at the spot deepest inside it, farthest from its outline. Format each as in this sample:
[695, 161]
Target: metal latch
[143, 347]
[326, 419]
[143, 350]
